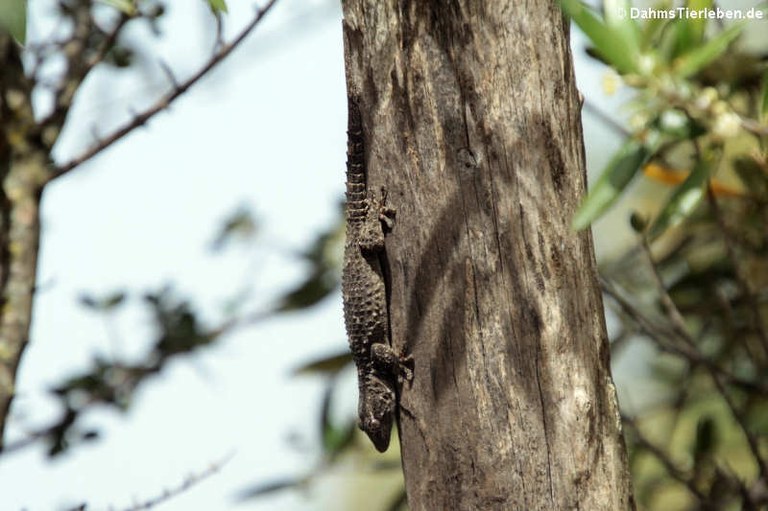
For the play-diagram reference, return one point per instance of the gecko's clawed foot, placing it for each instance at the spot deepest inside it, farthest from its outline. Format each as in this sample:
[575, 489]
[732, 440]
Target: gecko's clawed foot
[386, 214]
[405, 367]
[398, 365]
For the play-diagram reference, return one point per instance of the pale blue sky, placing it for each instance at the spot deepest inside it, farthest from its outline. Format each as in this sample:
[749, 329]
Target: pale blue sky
[267, 128]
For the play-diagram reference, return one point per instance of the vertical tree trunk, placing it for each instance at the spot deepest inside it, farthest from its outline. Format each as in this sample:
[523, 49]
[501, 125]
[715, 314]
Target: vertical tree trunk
[23, 172]
[471, 121]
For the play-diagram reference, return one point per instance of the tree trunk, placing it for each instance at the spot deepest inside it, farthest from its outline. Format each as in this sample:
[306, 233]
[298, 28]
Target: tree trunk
[472, 122]
[23, 172]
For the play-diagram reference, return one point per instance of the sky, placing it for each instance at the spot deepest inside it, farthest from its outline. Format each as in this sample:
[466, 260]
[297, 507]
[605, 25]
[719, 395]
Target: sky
[267, 130]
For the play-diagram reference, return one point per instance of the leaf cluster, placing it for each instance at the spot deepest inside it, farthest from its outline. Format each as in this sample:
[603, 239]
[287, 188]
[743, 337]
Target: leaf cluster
[694, 287]
[687, 113]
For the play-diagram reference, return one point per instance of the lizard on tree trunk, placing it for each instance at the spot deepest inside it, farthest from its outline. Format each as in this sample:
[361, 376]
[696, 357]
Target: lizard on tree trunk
[364, 292]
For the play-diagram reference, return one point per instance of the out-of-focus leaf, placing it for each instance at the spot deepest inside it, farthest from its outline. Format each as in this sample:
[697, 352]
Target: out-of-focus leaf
[676, 123]
[399, 503]
[179, 325]
[240, 225]
[614, 39]
[317, 286]
[113, 300]
[120, 57]
[684, 199]
[689, 31]
[125, 6]
[323, 277]
[753, 176]
[271, 487]
[13, 18]
[668, 176]
[104, 304]
[614, 179]
[693, 292]
[637, 222]
[218, 6]
[327, 365]
[764, 99]
[698, 58]
[334, 438]
[385, 464]
[706, 438]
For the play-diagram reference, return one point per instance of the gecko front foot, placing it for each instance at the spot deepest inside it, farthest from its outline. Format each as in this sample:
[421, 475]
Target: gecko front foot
[385, 357]
[386, 214]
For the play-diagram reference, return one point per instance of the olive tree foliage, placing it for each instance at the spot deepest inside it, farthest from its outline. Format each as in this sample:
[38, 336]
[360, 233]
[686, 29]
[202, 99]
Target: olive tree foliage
[693, 287]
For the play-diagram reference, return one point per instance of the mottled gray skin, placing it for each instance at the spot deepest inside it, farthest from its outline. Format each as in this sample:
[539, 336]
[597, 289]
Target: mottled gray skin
[364, 292]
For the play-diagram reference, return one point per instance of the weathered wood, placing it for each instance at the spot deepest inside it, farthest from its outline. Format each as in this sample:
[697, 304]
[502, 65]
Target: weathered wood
[472, 121]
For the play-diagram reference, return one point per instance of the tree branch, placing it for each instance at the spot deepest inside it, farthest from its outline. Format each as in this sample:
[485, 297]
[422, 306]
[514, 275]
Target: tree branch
[189, 482]
[664, 338]
[165, 101]
[670, 466]
[78, 67]
[678, 324]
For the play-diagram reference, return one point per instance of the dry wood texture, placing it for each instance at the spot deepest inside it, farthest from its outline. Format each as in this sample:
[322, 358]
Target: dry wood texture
[471, 121]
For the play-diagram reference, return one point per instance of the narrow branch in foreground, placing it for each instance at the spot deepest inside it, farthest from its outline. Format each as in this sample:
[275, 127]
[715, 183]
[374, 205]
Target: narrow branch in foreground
[670, 466]
[78, 69]
[678, 324]
[189, 482]
[165, 101]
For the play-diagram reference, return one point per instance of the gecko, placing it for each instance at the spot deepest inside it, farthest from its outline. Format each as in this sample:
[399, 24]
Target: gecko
[364, 292]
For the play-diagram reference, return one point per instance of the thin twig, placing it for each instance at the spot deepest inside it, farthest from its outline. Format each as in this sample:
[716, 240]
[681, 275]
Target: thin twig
[134, 376]
[672, 469]
[678, 324]
[655, 330]
[188, 483]
[746, 290]
[165, 101]
[674, 315]
[605, 118]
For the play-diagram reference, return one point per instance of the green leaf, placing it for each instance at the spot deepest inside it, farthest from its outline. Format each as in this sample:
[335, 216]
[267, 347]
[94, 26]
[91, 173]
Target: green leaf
[764, 99]
[684, 199]
[218, 6]
[335, 439]
[125, 6]
[614, 39]
[706, 438]
[753, 176]
[13, 18]
[614, 179]
[326, 365]
[399, 503]
[698, 58]
[260, 490]
[317, 286]
[103, 304]
[241, 226]
[689, 31]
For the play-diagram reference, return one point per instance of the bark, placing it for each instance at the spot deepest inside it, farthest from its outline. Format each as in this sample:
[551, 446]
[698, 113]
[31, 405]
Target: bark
[23, 171]
[472, 122]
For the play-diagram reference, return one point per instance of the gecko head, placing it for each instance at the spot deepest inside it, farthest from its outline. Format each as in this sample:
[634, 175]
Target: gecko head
[377, 412]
